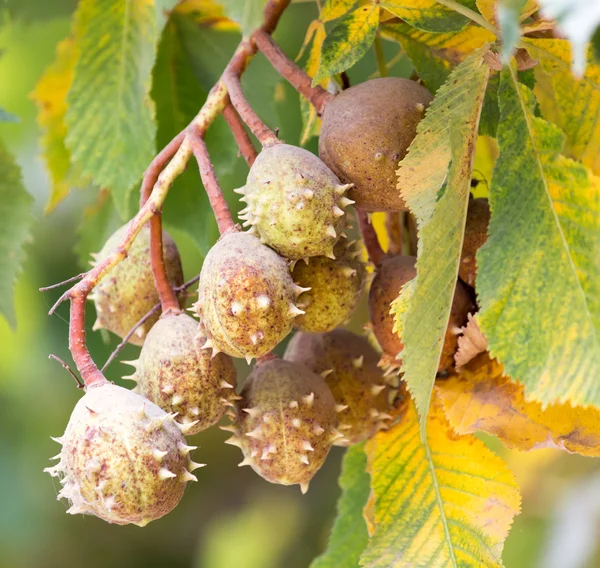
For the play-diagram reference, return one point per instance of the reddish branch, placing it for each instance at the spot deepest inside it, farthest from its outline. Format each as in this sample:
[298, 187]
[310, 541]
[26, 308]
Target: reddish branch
[211, 185]
[242, 139]
[369, 237]
[262, 132]
[302, 82]
[161, 173]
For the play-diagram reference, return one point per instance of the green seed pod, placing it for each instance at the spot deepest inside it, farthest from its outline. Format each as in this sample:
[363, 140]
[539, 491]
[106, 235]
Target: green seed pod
[285, 422]
[366, 131]
[123, 459]
[246, 297]
[391, 274]
[128, 292]
[350, 367]
[177, 375]
[295, 202]
[335, 288]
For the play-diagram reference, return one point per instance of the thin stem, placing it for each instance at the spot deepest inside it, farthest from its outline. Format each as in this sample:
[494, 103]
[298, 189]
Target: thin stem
[394, 228]
[168, 299]
[242, 139]
[59, 284]
[143, 320]
[211, 185]
[317, 95]
[369, 237]
[380, 57]
[262, 132]
[468, 13]
[80, 385]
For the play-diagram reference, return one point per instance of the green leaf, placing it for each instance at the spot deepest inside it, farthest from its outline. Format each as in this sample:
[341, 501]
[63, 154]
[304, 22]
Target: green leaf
[429, 15]
[434, 55]
[7, 116]
[110, 117]
[435, 182]
[348, 41]
[538, 278]
[15, 212]
[577, 20]
[448, 503]
[247, 13]
[349, 535]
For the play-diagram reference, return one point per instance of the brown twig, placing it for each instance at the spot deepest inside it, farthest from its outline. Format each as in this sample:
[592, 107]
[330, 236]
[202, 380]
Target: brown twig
[168, 298]
[369, 237]
[80, 385]
[242, 139]
[143, 320]
[301, 81]
[177, 154]
[262, 132]
[211, 185]
[394, 228]
[59, 284]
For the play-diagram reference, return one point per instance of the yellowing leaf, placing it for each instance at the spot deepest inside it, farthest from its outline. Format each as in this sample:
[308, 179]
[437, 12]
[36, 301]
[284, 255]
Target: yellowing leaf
[333, 9]
[435, 180]
[538, 280]
[572, 103]
[207, 13]
[348, 41]
[311, 123]
[110, 115]
[50, 96]
[481, 398]
[349, 533]
[434, 55]
[429, 15]
[446, 504]
[488, 9]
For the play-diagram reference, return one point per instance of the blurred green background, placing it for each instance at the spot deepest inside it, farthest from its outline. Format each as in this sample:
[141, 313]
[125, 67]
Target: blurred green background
[231, 518]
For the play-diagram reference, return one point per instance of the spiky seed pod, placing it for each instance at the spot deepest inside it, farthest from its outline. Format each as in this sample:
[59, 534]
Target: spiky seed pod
[350, 367]
[177, 375]
[246, 297]
[366, 131]
[391, 274]
[295, 203]
[285, 422]
[476, 227]
[128, 292]
[335, 288]
[123, 459]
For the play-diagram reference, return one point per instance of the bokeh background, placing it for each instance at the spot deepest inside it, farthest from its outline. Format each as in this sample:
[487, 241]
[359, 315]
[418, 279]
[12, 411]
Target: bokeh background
[231, 518]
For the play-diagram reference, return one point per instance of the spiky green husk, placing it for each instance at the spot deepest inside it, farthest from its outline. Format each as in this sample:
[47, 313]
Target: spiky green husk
[128, 292]
[180, 377]
[392, 273]
[246, 297]
[335, 288]
[285, 422]
[295, 203]
[350, 367]
[123, 459]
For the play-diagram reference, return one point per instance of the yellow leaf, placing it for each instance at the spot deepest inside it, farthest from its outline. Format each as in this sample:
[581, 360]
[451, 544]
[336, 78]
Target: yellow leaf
[429, 15]
[348, 41]
[482, 398]
[50, 96]
[449, 503]
[311, 123]
[572, 103]
[333, 9]
[488, 9]
[208, 13]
